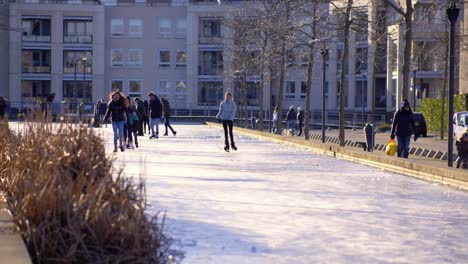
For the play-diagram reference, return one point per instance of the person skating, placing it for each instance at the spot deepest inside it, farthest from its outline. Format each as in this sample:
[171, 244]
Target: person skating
[117, 110]
[145, 121]
[133, 125]
[403, 126]
[140, 111]
[227, 113]
[167, 115]
[155, 114]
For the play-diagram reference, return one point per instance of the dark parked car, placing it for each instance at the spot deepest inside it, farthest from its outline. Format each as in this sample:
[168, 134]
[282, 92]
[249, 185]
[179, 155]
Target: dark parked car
[420, 123]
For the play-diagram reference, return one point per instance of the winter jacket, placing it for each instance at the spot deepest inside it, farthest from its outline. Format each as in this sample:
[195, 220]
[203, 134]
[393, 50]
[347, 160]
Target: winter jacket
[134, 121]
[117, 110]
[291, 115]
[140, 109]
[300, 117]
[155, 108]
[403, 123]
[166, 108]
[227, 110]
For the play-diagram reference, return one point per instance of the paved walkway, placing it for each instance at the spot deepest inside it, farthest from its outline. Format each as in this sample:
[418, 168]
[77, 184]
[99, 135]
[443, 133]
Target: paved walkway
[272, 203]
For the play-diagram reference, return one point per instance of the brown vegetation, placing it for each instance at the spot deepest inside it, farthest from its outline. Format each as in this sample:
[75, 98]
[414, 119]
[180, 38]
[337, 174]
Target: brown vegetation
[70, 205]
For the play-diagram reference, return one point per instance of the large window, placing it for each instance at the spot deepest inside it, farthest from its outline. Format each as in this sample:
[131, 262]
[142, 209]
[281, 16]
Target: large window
[164, 59]
[80, 59]
[164, 88]
[303, 89]
[165, 26]
[181, 26]
[134, 88]
[116, 85]
[78, 91]
[210, 63]
[35, 61]
[117, 27]
[117, 58]
[290, 90]
[181, 59]
[210, 92]
[35, 29]
[361, 93]
[77, 31]
[211, 28]
[35, 91]
[135, 28]
[134, 58]
[361, 60]
[180, 90]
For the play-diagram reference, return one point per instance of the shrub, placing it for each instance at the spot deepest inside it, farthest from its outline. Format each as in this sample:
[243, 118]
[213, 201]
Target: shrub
[70, 205]
[384, 127]
[431, 108]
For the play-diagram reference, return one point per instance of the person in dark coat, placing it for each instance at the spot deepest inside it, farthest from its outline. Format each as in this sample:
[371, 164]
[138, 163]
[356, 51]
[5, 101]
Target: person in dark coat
[167, 115]
[300, 120]
[140, 111]
[102, 110]
[117, 109]
[145, 120]
[403, 127]
[97, 114]
[291, 118]
[2, 108]
[155, 114]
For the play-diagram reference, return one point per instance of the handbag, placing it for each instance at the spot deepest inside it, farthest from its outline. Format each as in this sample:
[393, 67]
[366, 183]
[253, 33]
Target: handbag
[391, 148]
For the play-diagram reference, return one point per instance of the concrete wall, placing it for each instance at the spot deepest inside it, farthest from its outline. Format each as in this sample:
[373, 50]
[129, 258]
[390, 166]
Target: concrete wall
[4, 51]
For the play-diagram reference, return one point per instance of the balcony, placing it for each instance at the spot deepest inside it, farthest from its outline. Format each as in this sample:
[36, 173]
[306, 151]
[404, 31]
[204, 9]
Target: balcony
[35, 69]
[35, 38]
[78, 39]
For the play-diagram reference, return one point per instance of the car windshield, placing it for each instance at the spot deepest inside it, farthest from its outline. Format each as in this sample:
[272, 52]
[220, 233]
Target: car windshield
[417, 117]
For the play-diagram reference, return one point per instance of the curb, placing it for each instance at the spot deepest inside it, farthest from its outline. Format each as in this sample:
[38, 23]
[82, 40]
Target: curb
[12, 247]
[447, 176]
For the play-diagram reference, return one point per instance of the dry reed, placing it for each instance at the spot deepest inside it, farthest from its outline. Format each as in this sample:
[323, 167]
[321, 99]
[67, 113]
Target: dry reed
[70, 205]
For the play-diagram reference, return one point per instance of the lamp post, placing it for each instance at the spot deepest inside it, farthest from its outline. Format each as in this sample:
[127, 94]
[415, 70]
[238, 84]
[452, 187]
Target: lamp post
[363, 73]
[324, 52]
[452, 14]
[84, 60]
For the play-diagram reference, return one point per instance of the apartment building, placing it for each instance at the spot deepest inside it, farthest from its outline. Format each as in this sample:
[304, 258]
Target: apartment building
[182, 50]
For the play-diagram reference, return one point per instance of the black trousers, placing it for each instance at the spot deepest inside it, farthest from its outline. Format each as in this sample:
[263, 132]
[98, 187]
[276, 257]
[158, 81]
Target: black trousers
[167, 124]
[227, 125]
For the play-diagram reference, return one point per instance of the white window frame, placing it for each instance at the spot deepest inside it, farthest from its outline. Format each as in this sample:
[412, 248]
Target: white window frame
[135, 64]
[135, 34]
[164, 65]
[116, 80]
[180, 95]
[133, 94]
[160, 92]
[167, 32]
[289, 95]
[117, 34]
[111, 61]
[181, 64]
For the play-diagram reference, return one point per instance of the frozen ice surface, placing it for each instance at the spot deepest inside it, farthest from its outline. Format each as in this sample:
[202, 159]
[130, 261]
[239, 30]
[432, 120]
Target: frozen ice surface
[271, 203]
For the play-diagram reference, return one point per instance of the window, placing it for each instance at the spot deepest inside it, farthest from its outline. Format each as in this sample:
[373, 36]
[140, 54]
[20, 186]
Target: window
[33, 91]
[211, 28]
[35, 61]
[361, 93]
[290, 89]
[164, 88]
[180, 90]
[76, 91]
[135, 28]
[303, 89]
[290, 58]
[116, 85]
[210, 92]
[164, 59]
[361, 60]
[134, 88]
[181, 59]
[165, 26]
[117, 27]
[181, 26]
[36, 30]
[117, 58]
[210, 63]
[134, 58]
[77, 31]
[80, 59]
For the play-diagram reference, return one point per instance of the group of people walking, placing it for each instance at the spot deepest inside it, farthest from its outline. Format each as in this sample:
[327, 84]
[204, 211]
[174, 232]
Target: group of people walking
[294, 119]
[130, 120]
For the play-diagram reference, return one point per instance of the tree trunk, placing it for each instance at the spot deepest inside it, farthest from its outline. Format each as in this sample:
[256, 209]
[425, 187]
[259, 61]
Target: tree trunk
[282, 75]
[444, 90]
[310, 67]
[344, 61]
[407, 51]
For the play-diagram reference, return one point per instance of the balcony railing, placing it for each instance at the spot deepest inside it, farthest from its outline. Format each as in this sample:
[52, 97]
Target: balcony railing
[210, 40]
[78, 39]
[61, 2]
[35, 38]
[36, 69]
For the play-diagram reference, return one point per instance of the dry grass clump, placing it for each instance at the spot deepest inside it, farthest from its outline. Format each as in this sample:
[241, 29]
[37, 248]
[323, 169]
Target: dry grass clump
[68, 206]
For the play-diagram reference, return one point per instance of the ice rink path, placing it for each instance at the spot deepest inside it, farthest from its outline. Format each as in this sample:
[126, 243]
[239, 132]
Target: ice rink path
[271, 203]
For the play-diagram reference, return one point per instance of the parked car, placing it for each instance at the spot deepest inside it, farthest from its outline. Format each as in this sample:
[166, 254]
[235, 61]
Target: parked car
[460, 124]
[420, 123]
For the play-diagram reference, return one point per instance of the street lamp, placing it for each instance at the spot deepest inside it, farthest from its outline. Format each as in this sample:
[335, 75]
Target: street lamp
[324, 52]
[84, 60]
[452, 14]
[363, 73]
